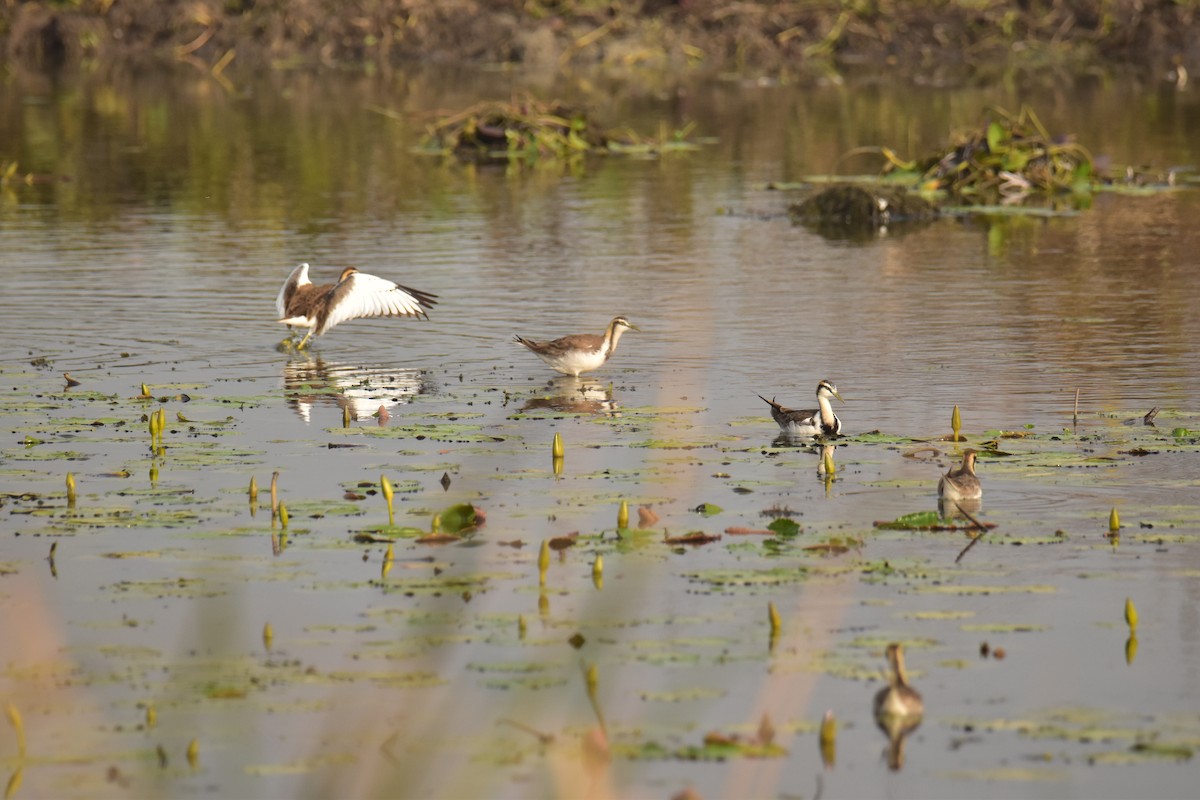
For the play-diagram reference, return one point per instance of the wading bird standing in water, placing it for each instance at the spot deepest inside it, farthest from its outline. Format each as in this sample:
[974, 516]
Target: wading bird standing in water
[580, 352]
[961, 483]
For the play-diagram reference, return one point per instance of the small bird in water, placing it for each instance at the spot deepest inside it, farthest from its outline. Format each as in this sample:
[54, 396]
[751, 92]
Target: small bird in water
[898, 707]
[580, 352]
[821, 422]
[897, 700]
[356, 294]
[961, 483]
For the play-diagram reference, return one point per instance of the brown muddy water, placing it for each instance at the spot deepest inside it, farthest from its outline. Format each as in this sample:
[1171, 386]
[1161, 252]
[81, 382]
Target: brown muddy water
[151, 246]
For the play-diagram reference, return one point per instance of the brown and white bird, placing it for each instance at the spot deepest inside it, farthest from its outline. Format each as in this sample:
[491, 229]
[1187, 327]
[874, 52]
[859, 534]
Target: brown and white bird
[898, 707]
[356, 294]
[820, 422]
[580, 352]
[897, 700]
[961, 483]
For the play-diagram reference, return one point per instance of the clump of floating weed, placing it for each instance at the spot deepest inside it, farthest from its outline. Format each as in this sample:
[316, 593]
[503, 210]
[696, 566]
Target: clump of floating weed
[1007, 156]
[531, 129]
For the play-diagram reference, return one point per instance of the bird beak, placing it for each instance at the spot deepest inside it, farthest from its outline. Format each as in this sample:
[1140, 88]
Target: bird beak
[633, 327]
[839, 397]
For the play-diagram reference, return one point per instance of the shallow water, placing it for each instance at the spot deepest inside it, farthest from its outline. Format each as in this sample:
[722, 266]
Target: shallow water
[158, 260]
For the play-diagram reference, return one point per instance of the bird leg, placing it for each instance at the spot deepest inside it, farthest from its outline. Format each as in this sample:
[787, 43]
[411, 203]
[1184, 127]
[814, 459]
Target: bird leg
[304, 341]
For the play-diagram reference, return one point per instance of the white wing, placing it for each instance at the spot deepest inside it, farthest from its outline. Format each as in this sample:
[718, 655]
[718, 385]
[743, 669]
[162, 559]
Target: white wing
[363, 295]
[299, 277]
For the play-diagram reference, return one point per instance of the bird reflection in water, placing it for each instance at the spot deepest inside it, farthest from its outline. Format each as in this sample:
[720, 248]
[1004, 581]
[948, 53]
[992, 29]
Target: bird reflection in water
[570, 395]
[898, 707]
[952, 509]
[357, 388]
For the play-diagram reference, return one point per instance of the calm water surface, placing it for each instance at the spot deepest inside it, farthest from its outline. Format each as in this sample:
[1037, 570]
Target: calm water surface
[156, 258]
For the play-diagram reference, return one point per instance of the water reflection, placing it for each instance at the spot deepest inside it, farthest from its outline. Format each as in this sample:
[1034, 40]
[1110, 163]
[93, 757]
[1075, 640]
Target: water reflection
[953, 509]
[572, 395]
[361, 390]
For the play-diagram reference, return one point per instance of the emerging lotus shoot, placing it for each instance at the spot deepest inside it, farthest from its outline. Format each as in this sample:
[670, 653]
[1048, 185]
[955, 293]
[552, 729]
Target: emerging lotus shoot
[388, 494]
[773, 616]
[556, 449]
[1131, 615]
[1114, 521]
[14, 717]
[543, 562]
[828, 739]
[283, 515]
[70, 489]
[956, 423]
[623, 516]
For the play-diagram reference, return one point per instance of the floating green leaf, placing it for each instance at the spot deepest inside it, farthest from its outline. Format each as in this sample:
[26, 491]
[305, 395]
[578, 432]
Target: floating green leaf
[784, 527]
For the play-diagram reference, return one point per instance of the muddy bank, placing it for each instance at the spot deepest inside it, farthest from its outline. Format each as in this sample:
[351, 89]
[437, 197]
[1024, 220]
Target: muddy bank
[939, 42]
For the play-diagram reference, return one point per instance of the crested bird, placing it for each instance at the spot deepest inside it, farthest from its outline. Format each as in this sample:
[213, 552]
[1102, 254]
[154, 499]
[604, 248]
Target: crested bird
[356, 294]
[820, 422]
[580, 352]
[961, 483]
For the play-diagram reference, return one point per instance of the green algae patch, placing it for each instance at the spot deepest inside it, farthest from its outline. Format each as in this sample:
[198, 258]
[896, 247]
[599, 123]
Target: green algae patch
[988, 590]
[394, 680]
[303, 766]
[46, 455]
[1010, 775]
[454, 433]
[88, 516]
[319, 509]
[938, 615]
[443, 585]
[177, 588]
[679, 444]
[1003, 628]
[1144, 752]
[683, 695]
[732, 578]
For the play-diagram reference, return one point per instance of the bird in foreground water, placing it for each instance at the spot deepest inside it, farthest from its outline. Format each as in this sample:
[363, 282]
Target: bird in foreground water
[356, 294]
[580, 352]
[961, 483]
[821, 422]
[897, 700]
[898, 707]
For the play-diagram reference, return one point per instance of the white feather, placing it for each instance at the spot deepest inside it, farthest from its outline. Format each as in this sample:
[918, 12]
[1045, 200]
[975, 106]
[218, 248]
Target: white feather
[371, 296]
[299, 277]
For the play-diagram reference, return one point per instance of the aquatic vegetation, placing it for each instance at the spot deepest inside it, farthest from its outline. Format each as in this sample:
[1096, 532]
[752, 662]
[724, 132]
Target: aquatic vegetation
[1012, 154]
[764, 590]
[530, 129]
